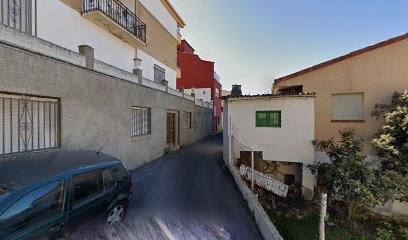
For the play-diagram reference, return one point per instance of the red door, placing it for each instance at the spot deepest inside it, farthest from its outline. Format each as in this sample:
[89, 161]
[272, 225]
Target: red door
[171, 129]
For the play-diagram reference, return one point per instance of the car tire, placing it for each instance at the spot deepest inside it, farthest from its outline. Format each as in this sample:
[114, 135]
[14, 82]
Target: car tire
[117, 213]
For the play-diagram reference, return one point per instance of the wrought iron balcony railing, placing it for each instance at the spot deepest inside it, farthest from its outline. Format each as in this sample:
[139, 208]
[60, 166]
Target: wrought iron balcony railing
[120, 14]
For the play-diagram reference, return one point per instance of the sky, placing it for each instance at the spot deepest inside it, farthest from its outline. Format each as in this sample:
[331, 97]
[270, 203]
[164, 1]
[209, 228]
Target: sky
[253, 42]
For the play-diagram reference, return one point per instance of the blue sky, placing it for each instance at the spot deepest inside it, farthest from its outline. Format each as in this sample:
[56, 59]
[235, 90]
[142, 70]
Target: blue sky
[255, 41]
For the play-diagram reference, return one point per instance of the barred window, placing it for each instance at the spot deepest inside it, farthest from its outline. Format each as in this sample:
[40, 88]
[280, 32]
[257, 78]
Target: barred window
[159, 74]
[28, 123]
[17, 14]
[141, 121]
[187, 119]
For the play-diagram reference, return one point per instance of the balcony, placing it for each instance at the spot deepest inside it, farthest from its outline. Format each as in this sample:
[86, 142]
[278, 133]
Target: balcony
[116, 18]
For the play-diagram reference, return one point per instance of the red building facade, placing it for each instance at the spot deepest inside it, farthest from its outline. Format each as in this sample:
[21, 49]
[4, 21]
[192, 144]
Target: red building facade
[199, 75]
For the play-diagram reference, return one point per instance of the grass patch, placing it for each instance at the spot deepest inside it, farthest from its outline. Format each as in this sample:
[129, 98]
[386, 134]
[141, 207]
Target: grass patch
[300, 221]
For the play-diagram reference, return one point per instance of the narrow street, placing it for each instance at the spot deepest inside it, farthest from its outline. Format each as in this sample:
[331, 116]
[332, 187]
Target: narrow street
[187, 195]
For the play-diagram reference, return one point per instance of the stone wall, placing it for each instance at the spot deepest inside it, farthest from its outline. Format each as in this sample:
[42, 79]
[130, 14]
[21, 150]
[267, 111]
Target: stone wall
[96, 107]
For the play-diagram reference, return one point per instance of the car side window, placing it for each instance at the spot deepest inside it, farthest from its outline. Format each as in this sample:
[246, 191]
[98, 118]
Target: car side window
[108, 180]
[36, 206]
[87, 185]
[120, 173]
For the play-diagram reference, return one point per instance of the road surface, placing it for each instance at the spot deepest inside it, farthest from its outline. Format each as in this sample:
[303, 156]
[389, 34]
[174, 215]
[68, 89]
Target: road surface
[188, 195]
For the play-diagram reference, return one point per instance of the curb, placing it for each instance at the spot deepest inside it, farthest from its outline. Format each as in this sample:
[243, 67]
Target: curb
[266, 227]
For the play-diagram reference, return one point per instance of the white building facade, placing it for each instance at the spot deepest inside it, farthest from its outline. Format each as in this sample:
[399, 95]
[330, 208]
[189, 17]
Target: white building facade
[279, 129]
[118, 30]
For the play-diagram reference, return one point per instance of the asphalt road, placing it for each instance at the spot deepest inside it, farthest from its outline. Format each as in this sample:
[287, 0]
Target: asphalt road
[187, 195]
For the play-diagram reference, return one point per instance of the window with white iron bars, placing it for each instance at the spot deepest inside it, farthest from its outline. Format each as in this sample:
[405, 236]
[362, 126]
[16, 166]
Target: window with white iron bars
[141, 121]
[18, 14]
[28, 123]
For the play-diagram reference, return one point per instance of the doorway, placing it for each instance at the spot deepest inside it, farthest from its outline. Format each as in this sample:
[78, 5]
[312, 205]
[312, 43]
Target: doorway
[171, 129]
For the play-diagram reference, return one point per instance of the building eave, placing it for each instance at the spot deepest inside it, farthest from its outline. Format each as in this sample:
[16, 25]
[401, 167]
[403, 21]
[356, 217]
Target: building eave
[344, 57]
[268, 96]
[173, 12]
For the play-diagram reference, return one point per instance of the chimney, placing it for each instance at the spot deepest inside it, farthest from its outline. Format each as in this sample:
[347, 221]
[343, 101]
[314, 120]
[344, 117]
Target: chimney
[236, 90]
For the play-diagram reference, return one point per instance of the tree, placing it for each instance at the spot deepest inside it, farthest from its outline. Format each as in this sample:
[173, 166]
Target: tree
[391, 145]
[347, 176]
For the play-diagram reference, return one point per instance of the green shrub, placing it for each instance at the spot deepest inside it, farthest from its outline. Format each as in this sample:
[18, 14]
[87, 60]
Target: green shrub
[167, 151]
[404, 233]
[385, 234]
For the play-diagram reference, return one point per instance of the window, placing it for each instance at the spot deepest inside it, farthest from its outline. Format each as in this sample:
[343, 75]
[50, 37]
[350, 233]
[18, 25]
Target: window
[141, 121]
[217, 92]
[34, 207]
[187, 119]
[268, 119]
[108, 180]
[87, 185]
[120, 173]
[17, 14]
[159, 74]
[28, 123]
[348, 106]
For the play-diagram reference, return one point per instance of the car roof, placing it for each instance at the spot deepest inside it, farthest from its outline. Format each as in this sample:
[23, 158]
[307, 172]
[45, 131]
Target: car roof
[21, 170]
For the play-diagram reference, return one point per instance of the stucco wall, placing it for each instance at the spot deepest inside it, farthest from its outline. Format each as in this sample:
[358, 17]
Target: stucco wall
[60, 24]
[147, 65]
[160, 12]
[69, 29]
[96, 107]
[377, 74]
[200, 93]
[160, 43]
[290, 143]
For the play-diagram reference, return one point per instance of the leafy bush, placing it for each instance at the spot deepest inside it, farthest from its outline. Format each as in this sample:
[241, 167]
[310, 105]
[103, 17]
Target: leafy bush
[348, 176]
[167, 151]
[385, 234]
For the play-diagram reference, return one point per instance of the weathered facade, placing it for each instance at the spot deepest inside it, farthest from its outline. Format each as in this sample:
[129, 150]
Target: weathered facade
[372, 74]
[278, 129]
[199, 77]
[95, 100]
[347, 89]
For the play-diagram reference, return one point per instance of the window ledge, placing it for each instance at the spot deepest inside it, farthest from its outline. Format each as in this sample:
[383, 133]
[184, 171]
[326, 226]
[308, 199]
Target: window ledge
[347, 121]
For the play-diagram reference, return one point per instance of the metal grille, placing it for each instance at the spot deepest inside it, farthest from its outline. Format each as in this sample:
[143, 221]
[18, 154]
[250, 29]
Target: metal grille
[17, 14]
[159, 74]
[119, 13]
[141, 121]
[28, 123]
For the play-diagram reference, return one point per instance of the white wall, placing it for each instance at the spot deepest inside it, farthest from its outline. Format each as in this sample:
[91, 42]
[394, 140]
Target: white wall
[200, 93]
[290, 143]
[158, 10]
[147, 66]
[62, 25]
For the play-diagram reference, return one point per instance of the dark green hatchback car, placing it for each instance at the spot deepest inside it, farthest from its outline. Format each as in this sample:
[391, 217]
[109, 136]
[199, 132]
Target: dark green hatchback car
[47, 195]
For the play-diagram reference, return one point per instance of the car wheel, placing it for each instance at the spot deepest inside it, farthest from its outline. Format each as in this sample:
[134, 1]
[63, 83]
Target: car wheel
[116, 214]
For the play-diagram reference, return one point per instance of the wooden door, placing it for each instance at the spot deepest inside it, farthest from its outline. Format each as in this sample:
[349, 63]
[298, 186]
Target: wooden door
[171, 129]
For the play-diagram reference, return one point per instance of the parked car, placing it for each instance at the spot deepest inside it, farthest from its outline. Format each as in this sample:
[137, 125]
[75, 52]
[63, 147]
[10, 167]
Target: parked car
[47, 195]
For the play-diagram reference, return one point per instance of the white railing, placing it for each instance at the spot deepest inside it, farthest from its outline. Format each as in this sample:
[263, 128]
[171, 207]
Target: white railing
[264, 181]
